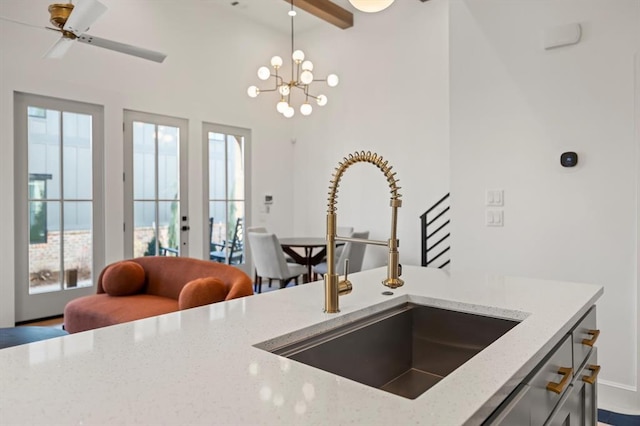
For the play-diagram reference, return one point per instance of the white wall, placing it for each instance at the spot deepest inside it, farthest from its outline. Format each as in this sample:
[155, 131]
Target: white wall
[514, 109]
[211, 61]
[393, 100]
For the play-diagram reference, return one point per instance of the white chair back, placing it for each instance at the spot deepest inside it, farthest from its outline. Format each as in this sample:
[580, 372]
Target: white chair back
[268, 256]
[354, 252]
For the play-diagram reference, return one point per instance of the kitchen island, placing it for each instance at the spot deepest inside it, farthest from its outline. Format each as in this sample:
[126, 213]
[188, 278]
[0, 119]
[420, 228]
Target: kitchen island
[201, 366]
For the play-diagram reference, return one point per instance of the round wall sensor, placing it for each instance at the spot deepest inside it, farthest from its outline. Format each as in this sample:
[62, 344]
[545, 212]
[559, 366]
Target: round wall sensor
[569, 159]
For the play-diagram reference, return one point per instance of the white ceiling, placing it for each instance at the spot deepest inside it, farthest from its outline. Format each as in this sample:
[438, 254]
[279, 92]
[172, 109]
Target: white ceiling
[273, 13]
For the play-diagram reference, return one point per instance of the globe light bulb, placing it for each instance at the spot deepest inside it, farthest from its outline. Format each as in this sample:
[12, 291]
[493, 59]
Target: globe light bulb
[284, 90]
[321, 100]
[289, 112]
[371, 6]
[276, 62]
[282, 106]
[264, 73]
[298, 56]
[307, 66]
[306, 77]
[253, 91]
[306, 108]
[332, 80]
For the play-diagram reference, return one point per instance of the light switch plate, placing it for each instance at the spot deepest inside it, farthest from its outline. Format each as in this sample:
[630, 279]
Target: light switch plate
[494, 218]
[494, 197]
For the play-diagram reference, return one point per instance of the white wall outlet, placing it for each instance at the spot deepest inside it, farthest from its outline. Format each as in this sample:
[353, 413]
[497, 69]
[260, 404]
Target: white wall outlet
[494, 218]
[494, 197]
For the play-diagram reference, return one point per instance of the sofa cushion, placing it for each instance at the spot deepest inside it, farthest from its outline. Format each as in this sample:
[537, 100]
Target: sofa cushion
[202, 291]
[101, 310]
[123, 279]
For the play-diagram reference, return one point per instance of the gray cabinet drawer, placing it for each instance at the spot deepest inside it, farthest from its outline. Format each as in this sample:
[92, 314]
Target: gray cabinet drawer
[515, 411]
[556, 373]
[584, 336]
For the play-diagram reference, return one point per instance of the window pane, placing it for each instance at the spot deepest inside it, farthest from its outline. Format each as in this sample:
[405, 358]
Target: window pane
[235, 167]
[217, 210]
[44, 258]
[43, 154]
[78, 258]
[144, 234]
[144, 166]
[168, 168]
[77, 156]
[168, 226]
[217, 179]
[236, 212]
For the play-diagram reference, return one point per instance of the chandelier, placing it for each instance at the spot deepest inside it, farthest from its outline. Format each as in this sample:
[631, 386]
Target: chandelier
[301, 79]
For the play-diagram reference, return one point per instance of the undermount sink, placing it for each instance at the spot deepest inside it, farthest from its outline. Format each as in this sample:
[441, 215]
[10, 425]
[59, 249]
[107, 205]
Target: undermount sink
[405, 350]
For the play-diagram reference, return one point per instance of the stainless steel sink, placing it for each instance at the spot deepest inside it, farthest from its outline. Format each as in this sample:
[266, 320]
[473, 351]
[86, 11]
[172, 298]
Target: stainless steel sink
[405, 350]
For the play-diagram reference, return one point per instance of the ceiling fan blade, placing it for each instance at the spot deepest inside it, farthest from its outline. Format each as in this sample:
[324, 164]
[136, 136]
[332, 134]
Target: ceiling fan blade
[122, 48]
[83, 15]
[2, 18]
[59, 48]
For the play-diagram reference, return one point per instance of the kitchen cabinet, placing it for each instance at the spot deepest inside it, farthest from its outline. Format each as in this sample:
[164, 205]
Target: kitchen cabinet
[560, 390]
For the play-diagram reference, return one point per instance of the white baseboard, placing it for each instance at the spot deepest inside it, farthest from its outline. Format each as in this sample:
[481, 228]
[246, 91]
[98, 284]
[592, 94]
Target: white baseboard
[618, 398]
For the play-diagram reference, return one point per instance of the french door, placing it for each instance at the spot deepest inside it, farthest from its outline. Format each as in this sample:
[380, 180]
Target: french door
[227, 192]
[155, 164]
[59, 208]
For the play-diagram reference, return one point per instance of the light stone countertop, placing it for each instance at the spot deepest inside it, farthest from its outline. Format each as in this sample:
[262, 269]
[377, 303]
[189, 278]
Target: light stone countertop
[200, 366]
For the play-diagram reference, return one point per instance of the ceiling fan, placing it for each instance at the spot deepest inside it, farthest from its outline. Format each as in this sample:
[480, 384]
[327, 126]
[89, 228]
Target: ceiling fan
[73, 20]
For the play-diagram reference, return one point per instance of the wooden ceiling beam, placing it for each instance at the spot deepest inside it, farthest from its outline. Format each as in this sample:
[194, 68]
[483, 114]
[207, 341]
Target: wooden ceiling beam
[327, 11]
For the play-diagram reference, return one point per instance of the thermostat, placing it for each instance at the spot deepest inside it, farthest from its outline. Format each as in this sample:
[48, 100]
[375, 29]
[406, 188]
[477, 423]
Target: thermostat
[569, 159]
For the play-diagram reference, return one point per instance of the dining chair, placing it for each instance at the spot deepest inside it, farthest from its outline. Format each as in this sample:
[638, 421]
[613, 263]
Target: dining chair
[269, 260]
[230, 252]
[343, 231]
[261, 230]
[352, 251]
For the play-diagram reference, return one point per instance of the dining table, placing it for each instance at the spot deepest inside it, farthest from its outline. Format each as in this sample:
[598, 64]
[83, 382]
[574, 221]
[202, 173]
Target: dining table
[308, 251]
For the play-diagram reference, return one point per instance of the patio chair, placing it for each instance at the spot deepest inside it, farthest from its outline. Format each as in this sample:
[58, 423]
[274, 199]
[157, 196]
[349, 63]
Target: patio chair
[232, 252]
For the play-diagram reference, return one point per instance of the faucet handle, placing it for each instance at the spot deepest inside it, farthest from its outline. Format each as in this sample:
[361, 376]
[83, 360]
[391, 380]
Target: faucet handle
[345, 286]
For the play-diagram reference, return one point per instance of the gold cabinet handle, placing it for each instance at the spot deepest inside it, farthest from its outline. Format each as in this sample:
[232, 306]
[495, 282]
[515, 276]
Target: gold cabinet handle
[595, 369]
[566, 376]
[592, 341]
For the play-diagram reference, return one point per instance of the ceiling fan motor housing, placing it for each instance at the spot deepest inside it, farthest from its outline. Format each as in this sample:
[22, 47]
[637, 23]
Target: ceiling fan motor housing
[60, 13]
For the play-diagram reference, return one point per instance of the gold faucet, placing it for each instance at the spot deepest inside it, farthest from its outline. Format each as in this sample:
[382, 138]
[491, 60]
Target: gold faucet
[333, 288]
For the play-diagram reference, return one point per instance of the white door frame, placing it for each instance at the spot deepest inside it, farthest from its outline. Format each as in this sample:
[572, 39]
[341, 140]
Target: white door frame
[246, 135]
[160, 120]
[43, 305]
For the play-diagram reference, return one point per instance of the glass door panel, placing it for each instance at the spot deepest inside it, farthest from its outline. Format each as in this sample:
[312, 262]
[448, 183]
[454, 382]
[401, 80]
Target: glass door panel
[78, 257]
[45, 254]
[144, 234]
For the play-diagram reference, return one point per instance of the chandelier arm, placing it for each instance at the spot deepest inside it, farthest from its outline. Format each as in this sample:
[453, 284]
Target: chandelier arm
[292, 62]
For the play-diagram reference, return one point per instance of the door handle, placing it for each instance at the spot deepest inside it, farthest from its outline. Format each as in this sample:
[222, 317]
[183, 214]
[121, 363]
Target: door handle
[185, 228]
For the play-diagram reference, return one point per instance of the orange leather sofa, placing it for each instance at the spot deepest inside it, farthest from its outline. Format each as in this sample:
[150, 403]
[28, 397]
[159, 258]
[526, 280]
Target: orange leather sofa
[139, 288]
